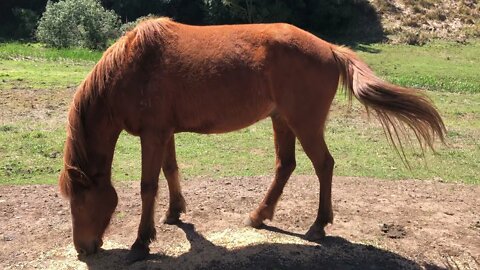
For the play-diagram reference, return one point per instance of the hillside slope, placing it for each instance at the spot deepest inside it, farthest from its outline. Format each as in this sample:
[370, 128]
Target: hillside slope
[417, 21]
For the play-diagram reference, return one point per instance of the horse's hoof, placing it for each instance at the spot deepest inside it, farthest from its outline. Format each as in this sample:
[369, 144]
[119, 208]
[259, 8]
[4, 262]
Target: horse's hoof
[250, 222]
[315, 234]
[170, 220]
[137, 253]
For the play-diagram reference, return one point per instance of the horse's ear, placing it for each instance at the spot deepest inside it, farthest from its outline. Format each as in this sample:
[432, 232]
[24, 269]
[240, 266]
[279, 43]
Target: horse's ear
[78, 176]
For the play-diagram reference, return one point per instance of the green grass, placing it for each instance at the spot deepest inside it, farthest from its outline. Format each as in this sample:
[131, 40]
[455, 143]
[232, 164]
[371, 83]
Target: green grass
[38, 74]
[358, 145]
[29, 51]
[30, 154]
[31, 151]
[32, 66]
[440, 66]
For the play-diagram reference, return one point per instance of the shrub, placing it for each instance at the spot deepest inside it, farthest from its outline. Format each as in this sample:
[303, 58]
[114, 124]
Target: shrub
[412, 37]
[77, 23]
[130, 25]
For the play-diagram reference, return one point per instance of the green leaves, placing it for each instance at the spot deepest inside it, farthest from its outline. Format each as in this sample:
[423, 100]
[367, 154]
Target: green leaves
[77, 23]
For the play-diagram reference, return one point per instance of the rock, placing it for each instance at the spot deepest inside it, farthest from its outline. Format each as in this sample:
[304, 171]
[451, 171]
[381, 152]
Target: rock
[393, 231]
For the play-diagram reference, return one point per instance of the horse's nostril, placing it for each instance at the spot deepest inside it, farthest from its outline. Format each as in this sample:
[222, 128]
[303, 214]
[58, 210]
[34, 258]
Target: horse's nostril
[82, 252]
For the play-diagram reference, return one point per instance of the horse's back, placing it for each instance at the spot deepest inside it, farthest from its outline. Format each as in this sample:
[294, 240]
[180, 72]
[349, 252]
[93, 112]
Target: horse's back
[213, 79]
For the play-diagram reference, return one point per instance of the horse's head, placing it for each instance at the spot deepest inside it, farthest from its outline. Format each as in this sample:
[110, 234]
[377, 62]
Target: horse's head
[91, 207]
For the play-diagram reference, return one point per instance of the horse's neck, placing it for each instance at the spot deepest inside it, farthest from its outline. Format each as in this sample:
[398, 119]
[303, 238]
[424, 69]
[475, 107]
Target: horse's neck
[101, 136]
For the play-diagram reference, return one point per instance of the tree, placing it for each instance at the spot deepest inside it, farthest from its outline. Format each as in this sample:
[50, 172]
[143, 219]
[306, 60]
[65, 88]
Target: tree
[18, 18]
[83, 23]
[252, 11]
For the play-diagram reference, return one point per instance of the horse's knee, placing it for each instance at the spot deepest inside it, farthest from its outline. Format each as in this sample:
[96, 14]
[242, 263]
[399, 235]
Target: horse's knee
[286, 167]
[329, 162]
[170, 169]
[148, 188]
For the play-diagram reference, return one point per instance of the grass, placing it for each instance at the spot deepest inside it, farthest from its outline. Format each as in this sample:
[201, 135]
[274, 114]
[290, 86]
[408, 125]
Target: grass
[31, 150]
[440, 66]
[31, 51]
[358, 145]
[38, 74]
[29, 155]
[32, 66]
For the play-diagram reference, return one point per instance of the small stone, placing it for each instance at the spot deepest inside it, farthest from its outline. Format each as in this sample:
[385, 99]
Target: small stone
[7, 238]
[54, 154]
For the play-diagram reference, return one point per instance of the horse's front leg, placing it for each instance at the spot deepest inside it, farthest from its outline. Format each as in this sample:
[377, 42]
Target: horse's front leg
[153, 151]
[170, 170]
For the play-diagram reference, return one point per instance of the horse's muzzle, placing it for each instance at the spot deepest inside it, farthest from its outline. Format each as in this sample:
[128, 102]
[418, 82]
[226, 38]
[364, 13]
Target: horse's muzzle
[85, 249]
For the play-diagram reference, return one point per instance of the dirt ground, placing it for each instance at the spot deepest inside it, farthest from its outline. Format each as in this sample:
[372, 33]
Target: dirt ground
[379, 224]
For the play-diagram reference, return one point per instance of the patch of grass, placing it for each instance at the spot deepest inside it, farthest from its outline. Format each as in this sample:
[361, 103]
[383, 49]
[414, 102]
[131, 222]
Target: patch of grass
[39, 74]
[29, 51]
[358, 145]
[31, 151]
[439, 66]
[33, 66]
[33, 155]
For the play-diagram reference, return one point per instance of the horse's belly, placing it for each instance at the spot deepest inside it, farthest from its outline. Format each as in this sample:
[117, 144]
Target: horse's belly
[224, 118]
[218, 98]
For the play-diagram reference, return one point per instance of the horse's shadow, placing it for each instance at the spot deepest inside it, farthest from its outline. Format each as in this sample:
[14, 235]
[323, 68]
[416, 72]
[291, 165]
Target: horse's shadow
[330, 253]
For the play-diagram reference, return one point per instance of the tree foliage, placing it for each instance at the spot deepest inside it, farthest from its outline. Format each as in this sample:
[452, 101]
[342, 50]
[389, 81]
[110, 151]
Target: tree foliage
[82, 23]
[327, 17]
[349, 19]
[18, 18]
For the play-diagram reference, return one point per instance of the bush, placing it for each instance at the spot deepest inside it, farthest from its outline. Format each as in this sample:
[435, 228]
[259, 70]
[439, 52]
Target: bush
[77, 23]
[130, 25]
[412, 37]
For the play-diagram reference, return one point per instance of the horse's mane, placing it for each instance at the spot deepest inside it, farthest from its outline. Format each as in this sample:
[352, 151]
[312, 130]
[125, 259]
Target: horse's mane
[98, 84]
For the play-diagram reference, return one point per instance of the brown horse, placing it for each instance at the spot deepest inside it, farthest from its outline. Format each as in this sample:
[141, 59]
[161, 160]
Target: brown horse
[165, 77]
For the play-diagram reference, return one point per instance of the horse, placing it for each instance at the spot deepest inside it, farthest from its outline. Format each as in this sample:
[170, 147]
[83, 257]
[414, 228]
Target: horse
[164, 77]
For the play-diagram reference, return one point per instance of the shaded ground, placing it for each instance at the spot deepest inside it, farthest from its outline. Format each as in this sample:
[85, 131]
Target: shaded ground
[378, 225]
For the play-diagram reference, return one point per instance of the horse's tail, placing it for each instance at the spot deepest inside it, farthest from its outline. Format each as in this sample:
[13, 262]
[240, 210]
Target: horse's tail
[394, 106]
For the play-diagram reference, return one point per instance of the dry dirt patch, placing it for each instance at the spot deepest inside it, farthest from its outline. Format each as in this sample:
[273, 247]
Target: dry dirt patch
[378, 225]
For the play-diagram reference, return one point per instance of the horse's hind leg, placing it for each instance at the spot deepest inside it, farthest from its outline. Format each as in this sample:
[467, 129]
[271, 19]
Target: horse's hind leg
[153, 149]
[316, 149]
[285, 164]
[170, 170]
